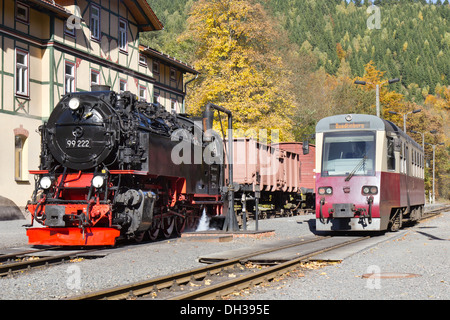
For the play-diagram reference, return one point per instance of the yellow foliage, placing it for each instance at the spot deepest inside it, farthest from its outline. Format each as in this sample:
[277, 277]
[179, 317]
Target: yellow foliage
[240, 69]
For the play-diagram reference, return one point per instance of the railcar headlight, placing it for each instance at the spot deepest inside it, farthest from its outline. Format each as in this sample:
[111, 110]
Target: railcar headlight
[45, 182]
[325, 190]
[74, 103]
[98, 181]
[369, 190]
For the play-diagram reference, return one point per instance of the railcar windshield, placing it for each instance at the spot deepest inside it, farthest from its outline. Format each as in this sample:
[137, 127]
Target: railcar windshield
[347, 152]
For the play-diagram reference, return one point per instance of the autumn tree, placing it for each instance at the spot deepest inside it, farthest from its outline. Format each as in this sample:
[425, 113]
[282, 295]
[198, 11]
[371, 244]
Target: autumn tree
[240, 68]
[389, 100]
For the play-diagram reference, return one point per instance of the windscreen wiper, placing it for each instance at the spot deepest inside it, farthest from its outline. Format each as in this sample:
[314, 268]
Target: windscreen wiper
[358, 166]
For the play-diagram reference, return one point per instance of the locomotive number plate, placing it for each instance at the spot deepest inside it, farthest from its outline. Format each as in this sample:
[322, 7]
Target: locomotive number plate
[78, 144]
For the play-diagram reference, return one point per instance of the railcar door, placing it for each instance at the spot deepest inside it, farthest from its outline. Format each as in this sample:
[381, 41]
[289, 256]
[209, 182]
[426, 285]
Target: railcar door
[408, 173]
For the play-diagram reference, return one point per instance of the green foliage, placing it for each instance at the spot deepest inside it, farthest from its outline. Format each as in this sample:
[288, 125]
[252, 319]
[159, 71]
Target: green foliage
[413, 42]
[289, 63]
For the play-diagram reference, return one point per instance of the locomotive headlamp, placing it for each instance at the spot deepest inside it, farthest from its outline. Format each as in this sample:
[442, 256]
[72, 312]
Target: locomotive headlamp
[369, 190]
[98, 181]
[45, 182]
[325, 190]
[74, 103]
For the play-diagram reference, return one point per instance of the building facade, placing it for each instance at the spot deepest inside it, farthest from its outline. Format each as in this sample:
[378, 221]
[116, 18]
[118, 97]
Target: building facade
[49, 48]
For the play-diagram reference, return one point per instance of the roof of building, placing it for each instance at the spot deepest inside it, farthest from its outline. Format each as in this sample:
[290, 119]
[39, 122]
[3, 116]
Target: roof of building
[52, 6]
[144, 15]
[165, 57]
[140, 9]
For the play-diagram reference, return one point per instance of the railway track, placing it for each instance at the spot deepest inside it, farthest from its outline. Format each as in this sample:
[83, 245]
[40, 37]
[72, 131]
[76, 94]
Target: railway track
[211, 281]
[27, 263]
[21, 254]
[9, 266]
[434, 212]
[220, 278]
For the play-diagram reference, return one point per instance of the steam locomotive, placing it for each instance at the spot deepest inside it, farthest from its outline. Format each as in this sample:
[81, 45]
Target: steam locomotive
[114, 167]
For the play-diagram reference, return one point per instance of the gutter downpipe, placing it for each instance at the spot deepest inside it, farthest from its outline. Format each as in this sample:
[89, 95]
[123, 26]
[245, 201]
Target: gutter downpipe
[185, 91]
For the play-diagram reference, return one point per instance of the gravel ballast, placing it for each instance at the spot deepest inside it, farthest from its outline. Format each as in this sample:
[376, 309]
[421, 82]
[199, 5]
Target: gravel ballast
[422, 250]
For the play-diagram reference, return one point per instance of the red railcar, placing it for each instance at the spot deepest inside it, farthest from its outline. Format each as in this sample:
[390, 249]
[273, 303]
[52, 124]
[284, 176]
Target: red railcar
[279, 175]
[307, 163]
[369, 174]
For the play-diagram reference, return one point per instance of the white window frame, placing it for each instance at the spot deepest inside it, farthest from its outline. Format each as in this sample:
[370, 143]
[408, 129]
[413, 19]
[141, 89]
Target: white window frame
[123, 35]
[22, 79]
[19, 157]
[95, 22]
[173, 105]
[69, 79]
[144, 91]
[97, 74]
[125, 85]
[156, 97]
[142, 59]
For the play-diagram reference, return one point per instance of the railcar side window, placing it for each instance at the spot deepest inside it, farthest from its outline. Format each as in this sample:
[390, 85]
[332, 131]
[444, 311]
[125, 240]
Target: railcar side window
[390, 154]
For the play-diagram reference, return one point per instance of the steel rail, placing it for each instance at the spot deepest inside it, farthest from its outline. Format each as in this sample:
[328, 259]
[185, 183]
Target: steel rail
[252, 279]
[9, 269]
[147, 286]
[18, 255]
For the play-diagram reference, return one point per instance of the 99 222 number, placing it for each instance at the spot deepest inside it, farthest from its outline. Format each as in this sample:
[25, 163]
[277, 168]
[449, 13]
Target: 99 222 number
[75, 144]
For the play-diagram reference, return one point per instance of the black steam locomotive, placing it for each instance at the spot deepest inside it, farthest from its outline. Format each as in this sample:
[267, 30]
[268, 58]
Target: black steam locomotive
[112, 166]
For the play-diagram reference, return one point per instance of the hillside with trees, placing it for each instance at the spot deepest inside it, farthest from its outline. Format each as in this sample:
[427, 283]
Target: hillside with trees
[285, 64]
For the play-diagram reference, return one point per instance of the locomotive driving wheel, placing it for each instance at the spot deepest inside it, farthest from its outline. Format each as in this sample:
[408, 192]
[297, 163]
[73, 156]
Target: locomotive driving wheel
[180, 223]
[167, 226]
[139, 236]
[153, 232]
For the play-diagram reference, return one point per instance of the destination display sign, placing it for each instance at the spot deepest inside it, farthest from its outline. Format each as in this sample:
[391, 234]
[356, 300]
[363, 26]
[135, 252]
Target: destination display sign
[352, 125]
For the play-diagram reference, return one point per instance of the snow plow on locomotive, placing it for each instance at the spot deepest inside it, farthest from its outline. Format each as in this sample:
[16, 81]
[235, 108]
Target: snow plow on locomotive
[369, 175]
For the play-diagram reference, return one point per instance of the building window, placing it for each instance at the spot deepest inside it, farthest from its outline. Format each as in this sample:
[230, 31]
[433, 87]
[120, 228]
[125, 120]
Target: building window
[70, 32]
[142, 59]
[22, 12]
[173, 74]
[19, 143]
[156, 98]
[69, 77]
[20, 154]
[95, 77]
[22, 73]
[156, 67]
[123, 85]
[143, 93]
[95, 22]
[173, 105]
[123, 44]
